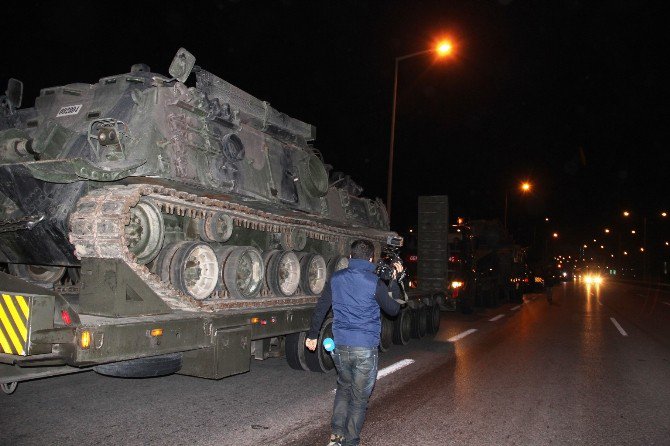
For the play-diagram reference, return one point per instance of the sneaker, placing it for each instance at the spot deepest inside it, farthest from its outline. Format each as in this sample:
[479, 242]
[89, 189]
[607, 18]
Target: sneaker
[335, 440]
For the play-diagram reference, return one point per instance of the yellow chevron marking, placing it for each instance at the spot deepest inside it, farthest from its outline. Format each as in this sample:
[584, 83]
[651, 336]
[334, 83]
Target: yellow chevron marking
[10, 331]
[5, 345]
[24, 306]
[17, 318]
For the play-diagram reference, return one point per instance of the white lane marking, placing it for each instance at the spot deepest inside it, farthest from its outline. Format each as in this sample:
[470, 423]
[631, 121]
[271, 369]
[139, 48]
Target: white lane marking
[394, 368]
[462, 335]
[493, 319]
[618, 327]
[515, 308]
[388, 370]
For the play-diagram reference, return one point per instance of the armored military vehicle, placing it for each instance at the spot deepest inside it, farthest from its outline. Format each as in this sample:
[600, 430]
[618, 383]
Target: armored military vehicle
[188, 224]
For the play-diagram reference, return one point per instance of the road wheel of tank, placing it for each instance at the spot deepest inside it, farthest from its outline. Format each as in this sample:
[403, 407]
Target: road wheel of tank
[419, 322]
[312, 273]
[283, 273]
[243, 272]
[386, 335]
[337, 263]
[295, 350]
[320, 360]
[142, 367]
[434, 318]
[9, 388]
[216, 228]
[145, 231]
[194, 269]
[402, 327]
[37, 273]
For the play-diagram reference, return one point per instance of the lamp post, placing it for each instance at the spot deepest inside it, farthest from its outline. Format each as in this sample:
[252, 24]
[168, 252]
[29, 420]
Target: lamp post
[442, 49]
[525, 187]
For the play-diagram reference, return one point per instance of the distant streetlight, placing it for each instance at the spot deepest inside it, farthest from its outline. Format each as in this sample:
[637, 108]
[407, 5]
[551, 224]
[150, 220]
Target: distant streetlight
[626, 213]
[524, 187]
[632, 231]
[664, 214]
[555, 235]
[607, 231]
[443, 49]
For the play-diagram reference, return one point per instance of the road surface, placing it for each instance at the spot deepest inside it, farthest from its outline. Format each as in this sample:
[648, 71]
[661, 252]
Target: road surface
[591, 368]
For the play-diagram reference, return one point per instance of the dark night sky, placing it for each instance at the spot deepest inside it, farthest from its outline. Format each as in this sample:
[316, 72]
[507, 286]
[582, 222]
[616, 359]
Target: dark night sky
[567, 94]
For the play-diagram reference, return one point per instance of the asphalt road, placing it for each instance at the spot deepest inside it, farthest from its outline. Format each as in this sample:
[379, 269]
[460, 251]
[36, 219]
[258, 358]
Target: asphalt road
[591, 368]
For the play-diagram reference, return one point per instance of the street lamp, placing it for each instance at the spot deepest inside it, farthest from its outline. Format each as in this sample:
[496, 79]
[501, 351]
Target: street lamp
[443, 49]
[524, 187]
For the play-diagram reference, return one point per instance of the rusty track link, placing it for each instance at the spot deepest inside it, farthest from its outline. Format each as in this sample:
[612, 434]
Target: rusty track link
[97, 229]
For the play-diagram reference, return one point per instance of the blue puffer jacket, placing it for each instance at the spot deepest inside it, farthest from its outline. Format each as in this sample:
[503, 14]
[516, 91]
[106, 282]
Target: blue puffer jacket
[356, 295]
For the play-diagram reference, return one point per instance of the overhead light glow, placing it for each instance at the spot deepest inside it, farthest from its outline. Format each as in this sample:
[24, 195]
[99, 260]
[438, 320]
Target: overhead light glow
[444, 48]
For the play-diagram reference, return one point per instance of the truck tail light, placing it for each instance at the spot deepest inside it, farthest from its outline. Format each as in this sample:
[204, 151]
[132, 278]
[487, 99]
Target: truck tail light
[65, 317]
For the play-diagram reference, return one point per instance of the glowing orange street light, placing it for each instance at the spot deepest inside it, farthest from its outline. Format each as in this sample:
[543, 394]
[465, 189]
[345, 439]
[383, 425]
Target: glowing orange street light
[526, 186]
[555, 235]
[626, 213]
[444, 48]
[664, 214]
[607, 231]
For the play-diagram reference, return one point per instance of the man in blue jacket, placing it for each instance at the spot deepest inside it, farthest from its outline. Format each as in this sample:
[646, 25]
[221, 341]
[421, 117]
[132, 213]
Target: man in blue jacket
[356, 295]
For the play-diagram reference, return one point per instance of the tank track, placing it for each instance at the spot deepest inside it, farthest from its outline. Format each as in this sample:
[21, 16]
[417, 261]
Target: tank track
[97, 229]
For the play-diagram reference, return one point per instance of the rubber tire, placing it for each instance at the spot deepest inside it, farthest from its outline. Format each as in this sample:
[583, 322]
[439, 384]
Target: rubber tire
[295, 350]
[230, 274]
[320, 360]
[402, 327]
[177, 272]
[419, 322]
[386, 335]
[434, 318]
[271, 275]
[142, 367]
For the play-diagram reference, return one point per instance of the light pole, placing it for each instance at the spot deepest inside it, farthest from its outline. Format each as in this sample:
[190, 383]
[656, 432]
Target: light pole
[525, 187]
[443, 49]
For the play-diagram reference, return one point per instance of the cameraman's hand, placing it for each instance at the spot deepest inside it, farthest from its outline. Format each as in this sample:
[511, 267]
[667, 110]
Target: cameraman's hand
[397, 269]
[402, 303]
[310, 344]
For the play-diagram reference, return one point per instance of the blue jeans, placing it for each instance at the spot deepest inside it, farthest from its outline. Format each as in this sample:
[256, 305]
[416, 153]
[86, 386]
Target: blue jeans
[356, 376]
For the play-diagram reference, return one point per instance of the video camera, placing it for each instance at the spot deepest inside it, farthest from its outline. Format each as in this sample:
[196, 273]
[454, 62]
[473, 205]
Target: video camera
[388, 257]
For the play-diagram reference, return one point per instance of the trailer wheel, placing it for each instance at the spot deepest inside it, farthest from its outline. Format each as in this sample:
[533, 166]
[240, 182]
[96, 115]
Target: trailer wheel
[142, 367]
[386, 335]
[9, 388]
[295, 350]
[320, 360]
[402, 327]
[419, 322]
[434, 318]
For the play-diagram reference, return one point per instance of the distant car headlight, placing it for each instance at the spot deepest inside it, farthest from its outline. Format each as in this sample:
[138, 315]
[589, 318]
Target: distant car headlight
[565, 274]
[456, 284]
